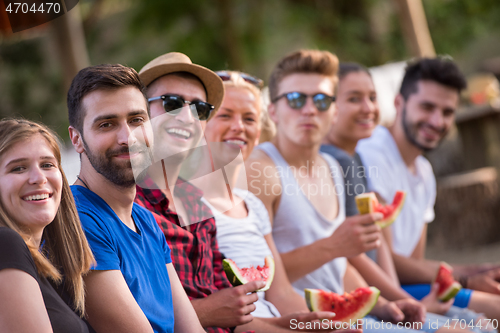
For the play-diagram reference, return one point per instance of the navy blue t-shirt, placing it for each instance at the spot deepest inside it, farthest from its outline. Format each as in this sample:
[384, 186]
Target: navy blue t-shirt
[141, 256]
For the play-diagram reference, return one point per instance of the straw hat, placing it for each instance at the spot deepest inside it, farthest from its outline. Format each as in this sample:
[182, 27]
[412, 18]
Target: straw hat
[177, 62]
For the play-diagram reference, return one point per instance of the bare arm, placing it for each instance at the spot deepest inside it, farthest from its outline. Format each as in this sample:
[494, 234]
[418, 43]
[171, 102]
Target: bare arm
[375, 276]
[415, 269]
[110, 305]
[482, 277]
[356, 235]
[352, 279]
[185, 316]
[281, 293]
[385, 261]
[419, 251]
[261, 178]
[22, 309]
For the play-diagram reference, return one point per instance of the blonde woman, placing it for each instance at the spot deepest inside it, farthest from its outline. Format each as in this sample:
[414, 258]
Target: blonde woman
[40, 234]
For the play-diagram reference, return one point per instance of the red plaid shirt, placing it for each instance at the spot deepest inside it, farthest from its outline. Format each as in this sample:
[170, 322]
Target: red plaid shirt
[195, 252]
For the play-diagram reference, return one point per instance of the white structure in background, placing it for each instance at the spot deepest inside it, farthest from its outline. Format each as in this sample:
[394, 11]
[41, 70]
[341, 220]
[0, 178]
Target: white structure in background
[70, 161]
[387, 79]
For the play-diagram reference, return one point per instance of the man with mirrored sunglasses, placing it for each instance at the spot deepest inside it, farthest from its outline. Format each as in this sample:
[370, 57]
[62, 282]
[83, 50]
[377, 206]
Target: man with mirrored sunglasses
[182, 96]
[302, 190]
[297, 100]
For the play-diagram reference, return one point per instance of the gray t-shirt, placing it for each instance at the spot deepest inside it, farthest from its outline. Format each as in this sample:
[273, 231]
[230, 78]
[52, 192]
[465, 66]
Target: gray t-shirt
[354, 176]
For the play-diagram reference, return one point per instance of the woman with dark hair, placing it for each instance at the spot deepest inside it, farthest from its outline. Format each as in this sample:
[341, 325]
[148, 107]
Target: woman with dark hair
[357, 116]
[40, 234]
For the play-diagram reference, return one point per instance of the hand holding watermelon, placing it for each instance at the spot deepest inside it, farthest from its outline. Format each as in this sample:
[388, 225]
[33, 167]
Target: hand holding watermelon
[357, 234]
[448, 287]
[368, 203]
[433, 304]
[228, 307]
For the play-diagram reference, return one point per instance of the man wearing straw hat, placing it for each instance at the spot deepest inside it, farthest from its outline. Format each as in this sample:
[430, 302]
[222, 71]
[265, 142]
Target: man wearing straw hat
[182, 96]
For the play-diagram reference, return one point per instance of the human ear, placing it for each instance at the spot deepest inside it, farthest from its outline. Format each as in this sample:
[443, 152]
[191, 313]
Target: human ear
[76, 139]
[335, 116]
[271, 109]
[399, 103]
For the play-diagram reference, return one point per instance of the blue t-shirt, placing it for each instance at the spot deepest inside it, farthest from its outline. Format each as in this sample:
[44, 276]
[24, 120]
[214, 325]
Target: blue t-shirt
[141, 256]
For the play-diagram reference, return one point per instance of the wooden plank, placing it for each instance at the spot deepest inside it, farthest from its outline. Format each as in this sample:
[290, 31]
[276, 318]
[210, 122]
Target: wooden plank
[466, 210]
[415, 29]
[469, 113]
[5, 28]
[69, 38]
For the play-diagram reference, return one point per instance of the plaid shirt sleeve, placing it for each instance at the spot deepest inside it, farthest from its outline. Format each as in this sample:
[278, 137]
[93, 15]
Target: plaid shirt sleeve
[220, 278]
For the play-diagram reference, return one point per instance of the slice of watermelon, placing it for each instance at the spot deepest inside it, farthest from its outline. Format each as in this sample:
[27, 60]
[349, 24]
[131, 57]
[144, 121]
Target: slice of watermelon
[448, 287]
[368, 203]
[238, 276]
[348, 308]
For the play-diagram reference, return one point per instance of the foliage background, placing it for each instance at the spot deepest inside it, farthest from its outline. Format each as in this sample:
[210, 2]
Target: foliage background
[237, 34]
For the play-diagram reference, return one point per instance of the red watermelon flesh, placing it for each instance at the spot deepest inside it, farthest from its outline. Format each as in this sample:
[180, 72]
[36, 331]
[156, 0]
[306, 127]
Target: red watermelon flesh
[368, 203]
[254, 274]
[448, 287]
[347, 307]
[238, 276]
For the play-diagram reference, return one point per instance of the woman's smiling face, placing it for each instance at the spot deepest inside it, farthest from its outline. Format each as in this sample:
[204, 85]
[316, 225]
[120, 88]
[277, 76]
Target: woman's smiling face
[30, 184]
[237, 122]
[357, 107]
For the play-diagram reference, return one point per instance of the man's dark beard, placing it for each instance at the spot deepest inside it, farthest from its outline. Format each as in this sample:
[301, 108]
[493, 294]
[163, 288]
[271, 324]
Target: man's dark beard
[412, 138]
[105, 166]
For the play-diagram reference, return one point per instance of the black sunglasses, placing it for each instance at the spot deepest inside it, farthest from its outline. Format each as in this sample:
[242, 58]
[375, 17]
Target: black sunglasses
[173, 105]
[226, 76]
[297, 100]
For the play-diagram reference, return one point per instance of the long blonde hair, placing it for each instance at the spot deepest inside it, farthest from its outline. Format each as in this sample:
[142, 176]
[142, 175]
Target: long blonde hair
[65, 248]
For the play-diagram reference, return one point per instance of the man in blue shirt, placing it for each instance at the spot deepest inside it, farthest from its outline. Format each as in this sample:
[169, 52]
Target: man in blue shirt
[133, 286]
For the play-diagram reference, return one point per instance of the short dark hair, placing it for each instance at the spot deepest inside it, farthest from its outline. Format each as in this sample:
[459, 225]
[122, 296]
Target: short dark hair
[303, 61]
[346, 68]
[107, 76]
[441, 70]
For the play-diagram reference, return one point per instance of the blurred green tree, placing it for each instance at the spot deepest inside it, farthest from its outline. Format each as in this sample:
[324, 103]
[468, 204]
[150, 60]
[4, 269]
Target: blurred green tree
[237, 34]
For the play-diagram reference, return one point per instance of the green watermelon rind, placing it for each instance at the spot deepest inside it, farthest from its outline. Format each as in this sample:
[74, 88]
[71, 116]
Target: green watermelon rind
[269, 262]
[233, 272]
[392, 218]
[366, 201]
[451, 292]
[361, 313]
